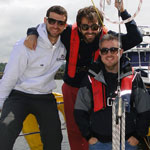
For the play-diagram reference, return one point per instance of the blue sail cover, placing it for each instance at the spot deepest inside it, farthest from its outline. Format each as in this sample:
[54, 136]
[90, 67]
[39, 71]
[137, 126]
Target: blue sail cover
[139, 56]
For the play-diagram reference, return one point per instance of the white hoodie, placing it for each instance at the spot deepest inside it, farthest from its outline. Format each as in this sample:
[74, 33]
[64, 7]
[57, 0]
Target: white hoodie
[32, 71]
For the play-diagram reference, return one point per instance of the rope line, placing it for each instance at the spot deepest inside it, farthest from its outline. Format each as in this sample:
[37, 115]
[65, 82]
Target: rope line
[123, 21]
[118, 127]
[147, 144]
[118, 107]
[97, 12]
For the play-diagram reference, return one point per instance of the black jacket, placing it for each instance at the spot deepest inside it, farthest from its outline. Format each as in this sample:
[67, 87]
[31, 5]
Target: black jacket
[99, 124]
[129, 40]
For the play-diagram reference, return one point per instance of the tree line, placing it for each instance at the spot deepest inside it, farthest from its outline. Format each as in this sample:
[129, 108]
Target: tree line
[2, 66]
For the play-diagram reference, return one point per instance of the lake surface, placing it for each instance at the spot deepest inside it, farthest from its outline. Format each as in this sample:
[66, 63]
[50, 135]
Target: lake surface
[21, 143]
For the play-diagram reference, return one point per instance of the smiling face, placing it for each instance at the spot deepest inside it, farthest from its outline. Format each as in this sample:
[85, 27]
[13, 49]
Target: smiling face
[89, 34]
[55, 24]
[110, 59]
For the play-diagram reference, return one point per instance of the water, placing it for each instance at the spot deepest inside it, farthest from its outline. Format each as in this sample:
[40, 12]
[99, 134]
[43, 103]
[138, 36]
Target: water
[21, 143]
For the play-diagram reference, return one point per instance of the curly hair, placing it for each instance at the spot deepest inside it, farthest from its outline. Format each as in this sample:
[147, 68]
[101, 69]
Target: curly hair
[90, 13]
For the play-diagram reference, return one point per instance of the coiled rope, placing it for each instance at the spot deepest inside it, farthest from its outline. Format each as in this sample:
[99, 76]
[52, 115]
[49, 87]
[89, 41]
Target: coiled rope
[123, 21]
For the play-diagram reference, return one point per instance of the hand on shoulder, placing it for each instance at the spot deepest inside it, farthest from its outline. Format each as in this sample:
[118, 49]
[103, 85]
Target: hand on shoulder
[31, 42]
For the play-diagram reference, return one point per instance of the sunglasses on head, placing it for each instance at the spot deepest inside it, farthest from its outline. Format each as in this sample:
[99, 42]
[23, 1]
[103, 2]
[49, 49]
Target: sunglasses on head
[53, 21]
[113, 50]
[94, 27]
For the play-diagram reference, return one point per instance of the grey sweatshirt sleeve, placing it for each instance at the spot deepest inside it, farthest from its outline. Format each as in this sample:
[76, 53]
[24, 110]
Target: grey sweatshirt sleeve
[82, 112]
[83, 101]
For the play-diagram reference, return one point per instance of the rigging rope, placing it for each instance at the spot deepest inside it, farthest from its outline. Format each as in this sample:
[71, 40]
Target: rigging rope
[119, 113]
[97, 12]
[123, 21]
[118, 107]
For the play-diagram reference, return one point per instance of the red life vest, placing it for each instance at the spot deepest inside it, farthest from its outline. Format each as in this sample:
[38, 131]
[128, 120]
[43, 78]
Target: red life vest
[74, 48]
[99, 96]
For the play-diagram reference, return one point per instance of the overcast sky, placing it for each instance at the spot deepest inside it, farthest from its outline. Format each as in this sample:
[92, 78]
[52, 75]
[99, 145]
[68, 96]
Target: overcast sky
[17, 15]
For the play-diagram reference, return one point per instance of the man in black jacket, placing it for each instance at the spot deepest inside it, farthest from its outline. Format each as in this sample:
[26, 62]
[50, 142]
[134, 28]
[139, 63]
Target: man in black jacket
[89, 30]
[93, 107]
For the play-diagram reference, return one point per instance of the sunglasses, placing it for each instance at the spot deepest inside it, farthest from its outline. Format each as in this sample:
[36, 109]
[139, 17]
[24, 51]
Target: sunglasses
[53, 21]
[94, 27]
[113, 50]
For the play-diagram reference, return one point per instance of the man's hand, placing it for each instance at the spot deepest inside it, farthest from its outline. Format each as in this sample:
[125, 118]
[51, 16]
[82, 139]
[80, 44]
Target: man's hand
[31, 42]
[93, 140]
[119, 6]
[133, 141]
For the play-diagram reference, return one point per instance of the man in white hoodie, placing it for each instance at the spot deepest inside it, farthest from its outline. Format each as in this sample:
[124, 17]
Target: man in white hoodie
[28, 81]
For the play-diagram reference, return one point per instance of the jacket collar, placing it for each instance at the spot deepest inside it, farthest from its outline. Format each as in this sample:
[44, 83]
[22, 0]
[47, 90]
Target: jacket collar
[98, 73]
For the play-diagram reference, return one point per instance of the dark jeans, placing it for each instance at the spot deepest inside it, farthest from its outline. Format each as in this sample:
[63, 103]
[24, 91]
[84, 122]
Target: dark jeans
[15, 110]
[108, 146]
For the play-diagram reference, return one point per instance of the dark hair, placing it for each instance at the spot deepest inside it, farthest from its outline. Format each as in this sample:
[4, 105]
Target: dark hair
[58, 10]
[90, 13]
[109, 37]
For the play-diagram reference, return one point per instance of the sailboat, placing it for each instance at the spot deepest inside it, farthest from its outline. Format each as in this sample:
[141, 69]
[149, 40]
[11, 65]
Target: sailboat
[140, 55]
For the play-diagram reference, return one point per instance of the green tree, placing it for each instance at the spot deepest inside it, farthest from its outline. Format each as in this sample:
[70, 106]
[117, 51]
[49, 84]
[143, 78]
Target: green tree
[2, 66]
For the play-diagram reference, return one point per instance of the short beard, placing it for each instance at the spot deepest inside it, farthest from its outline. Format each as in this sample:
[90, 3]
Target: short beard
[112, 68]
[87, 40]
[49, 34]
